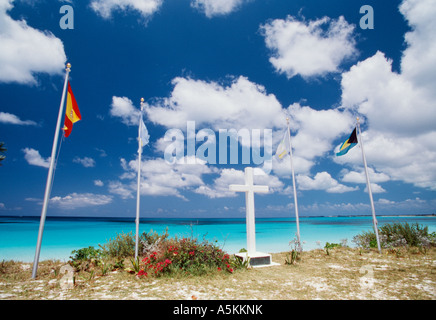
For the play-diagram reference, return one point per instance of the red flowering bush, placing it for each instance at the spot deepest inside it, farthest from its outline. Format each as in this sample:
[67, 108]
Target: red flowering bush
[185, 256]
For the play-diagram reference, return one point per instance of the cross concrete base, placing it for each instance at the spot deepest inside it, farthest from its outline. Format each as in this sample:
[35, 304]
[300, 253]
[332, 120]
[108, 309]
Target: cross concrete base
[258, 259]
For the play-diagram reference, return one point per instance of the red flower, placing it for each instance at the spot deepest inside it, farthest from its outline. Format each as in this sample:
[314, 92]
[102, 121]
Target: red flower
[142, 273]
[219, 269]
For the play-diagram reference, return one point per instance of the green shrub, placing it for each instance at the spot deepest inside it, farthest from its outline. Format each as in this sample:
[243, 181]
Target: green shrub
[331, 246]
[86, 258]
[122, 246]
[397, 235]
[152, 241]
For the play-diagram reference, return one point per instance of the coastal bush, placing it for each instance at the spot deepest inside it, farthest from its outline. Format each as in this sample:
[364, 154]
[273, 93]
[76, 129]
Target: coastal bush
[152, 241]
[187, 256]
[122, 246]
[331, 246]
[397, 235]
[159, 256]
[86, 258]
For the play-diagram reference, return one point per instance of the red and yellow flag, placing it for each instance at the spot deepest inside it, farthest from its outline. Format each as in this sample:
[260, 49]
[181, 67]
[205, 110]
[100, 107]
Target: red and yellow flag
[72, 114]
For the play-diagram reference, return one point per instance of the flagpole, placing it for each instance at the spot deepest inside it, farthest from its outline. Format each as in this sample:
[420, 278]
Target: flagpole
[368, 183]
[50, 176]
[293, 183]
[139, 181]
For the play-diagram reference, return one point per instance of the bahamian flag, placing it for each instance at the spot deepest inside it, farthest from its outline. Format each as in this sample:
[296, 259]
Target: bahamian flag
[348, 144]
[283, 148]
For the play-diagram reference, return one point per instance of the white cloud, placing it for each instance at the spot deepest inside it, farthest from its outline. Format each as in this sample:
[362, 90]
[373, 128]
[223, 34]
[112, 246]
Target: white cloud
[317, 129]
[98, 183]
[80, 200]
[105, 8]
[213, 8]
[322, 181]
[123, 108]
[33, 157]
[360, 177]
[220, 187]
[399, 108]
[10, 118]
[26, 51]
[418, 62]
[86, 162]
[124, 191]
[311, 48]
[243, 104]
[390, 101]
[375, 188]
[159, 178]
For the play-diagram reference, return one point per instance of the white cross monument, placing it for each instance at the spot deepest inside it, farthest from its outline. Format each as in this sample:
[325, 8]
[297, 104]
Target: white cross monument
[256, 258]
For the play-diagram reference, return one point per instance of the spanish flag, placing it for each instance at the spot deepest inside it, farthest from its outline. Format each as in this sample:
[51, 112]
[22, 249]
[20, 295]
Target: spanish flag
[348, 144]
[72, 113]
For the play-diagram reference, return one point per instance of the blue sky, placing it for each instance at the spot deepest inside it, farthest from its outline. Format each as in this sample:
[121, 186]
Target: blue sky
[228, 64]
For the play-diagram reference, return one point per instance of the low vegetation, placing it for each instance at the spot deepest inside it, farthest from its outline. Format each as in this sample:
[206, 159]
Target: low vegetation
[158, 256]
[398, 236]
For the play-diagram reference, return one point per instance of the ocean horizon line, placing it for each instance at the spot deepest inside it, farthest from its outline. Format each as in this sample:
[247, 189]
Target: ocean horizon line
[119, 218]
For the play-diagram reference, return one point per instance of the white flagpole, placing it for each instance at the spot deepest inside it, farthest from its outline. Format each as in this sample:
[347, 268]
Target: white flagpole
[50, 176]
[139, 181]
[295, 188]
[368, 183]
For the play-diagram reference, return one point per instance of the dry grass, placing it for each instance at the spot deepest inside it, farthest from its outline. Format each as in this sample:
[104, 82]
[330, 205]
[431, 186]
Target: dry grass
[344, 274]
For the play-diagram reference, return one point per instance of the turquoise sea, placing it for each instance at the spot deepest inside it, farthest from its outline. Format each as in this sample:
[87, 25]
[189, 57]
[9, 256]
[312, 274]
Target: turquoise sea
[18, 235]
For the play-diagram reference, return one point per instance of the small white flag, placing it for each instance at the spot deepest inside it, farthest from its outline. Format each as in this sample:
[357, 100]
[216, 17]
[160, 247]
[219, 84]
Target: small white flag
[283, 147]
[143, 134]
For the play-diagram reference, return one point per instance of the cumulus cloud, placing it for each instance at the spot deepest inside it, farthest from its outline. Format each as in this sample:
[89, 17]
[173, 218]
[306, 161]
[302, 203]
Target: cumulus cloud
[360, 177]
[33, 157]
[26, 51]
[220, 186]
[418, 62]
[98, 183]
[399, 107]
[9, 118]
[86, 162]
[159, 178]
[123, 108]
[213, 8]
[317, 129]
[322, 181]
[105, 8]
[391, 102]
[309, 48]
[80, 200]
[242, 104]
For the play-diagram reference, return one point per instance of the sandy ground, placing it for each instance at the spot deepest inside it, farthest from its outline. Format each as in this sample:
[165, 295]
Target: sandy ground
[345, 274]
